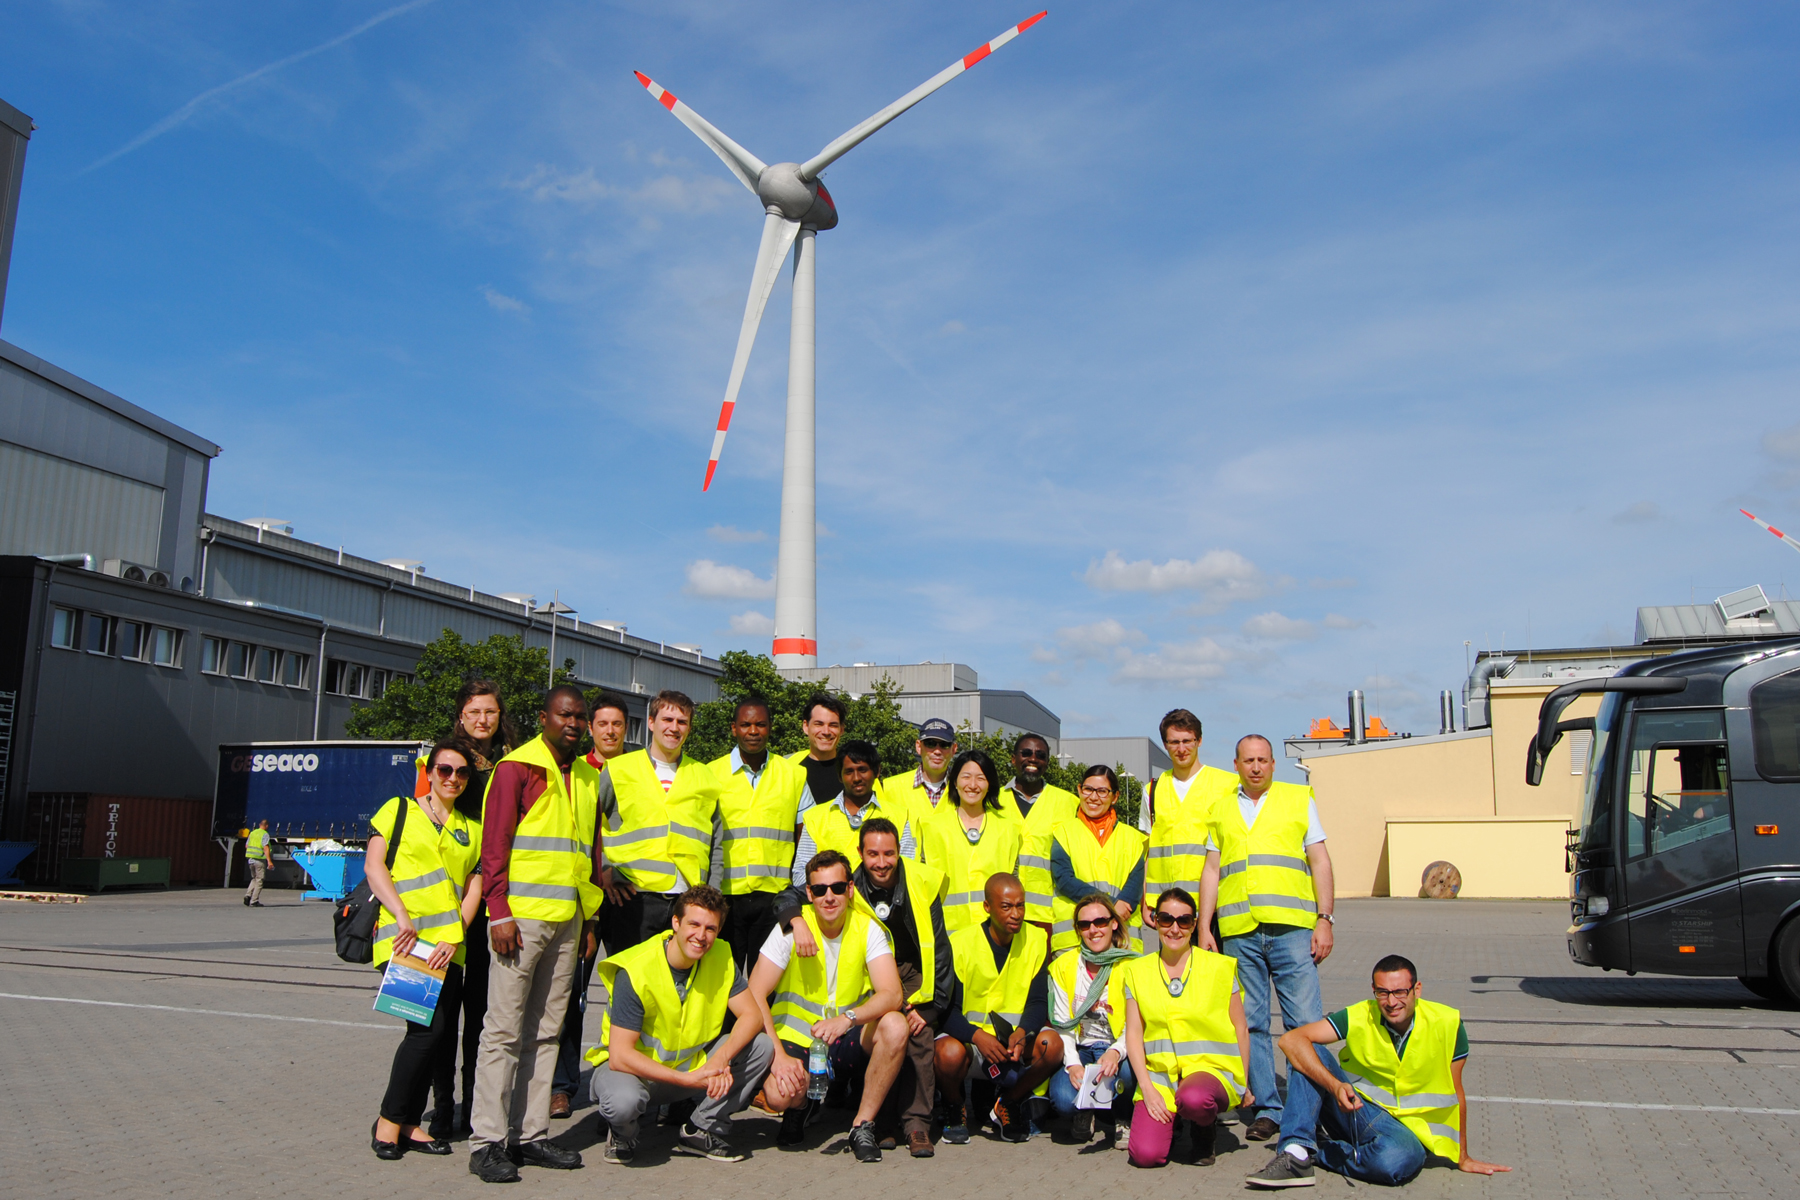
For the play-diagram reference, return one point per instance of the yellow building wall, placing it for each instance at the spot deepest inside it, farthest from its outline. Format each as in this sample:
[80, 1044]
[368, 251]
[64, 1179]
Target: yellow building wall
[1498, 856]
[1514, 712]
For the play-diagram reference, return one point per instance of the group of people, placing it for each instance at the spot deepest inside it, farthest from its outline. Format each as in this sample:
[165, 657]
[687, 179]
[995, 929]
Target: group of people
[932, 948]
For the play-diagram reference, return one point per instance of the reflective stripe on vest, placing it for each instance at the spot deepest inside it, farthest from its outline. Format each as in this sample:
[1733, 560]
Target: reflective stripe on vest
[550, 870]
[429, 892]
[1420, 1089]
[967, 866]
[1052, 807]
[1261, 879]
[1191, 1032]
[677, 1028]
[654, 834]
[800, 997]
[923, 884]
[989, 991]
[831, 828]
[758, 823]
[1176, 852]
[1107, 867]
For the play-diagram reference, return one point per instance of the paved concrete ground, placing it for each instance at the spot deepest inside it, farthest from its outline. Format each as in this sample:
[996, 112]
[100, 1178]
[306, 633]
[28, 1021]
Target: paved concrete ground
[221, 1050]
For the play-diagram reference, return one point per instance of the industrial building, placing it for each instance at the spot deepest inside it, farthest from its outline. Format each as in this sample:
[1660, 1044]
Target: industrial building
[1393, 805]
[1142, 758]
[951, 691]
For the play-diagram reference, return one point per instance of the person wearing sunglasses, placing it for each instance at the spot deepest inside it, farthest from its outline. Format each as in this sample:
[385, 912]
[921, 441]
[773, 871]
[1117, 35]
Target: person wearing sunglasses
[1185, 1032]
[1039, 806]
[1091, 852]
[1389, 1101]
[847, 996]
[924, 787]
[997, 1020]
[427, 900]
[1087, 1007]
[972, 840]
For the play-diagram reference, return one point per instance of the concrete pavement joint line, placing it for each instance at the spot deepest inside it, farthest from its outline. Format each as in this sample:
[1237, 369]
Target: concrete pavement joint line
[305, 983]
[1713, 1108]
[205, 1012]
[165, 958]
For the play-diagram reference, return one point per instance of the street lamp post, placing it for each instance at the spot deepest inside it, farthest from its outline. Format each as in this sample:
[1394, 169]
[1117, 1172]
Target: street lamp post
[552, 610]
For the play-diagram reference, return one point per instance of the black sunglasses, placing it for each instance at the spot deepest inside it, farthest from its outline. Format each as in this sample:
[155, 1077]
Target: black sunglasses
[836, 889]
[1163, 920]
[1096, 923]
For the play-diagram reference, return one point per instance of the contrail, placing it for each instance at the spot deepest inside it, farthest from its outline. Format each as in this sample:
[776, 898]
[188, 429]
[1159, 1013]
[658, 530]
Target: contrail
[192, 106]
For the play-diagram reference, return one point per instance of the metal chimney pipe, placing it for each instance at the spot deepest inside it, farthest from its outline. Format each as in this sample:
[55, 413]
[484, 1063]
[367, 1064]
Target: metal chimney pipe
[1446, 712]
[1359, 726]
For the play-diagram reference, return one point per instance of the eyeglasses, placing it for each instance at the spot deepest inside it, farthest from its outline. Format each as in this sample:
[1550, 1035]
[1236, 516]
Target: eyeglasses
[1163, 920]
[446, 771]
[1394, 993]
[836, 889]
[1096, 923]
[1097, 793]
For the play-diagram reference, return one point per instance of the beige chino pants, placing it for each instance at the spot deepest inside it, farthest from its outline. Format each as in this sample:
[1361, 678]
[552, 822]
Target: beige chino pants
[528, 993]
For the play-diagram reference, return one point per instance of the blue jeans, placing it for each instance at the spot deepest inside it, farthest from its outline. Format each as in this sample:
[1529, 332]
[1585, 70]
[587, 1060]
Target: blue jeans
[1369, 1144]
[1281, 954]
[1062, 1092]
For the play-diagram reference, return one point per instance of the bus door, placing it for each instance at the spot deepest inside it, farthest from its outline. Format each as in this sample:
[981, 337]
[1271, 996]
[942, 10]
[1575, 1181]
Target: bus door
[1681, 860]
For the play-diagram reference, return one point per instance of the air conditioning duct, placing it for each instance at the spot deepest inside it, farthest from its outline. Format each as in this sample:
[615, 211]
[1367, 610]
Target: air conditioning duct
[121, 568]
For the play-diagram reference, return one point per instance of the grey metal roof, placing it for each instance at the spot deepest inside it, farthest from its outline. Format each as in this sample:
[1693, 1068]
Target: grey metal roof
[1703, 622]
[16, 120]
[106, 399]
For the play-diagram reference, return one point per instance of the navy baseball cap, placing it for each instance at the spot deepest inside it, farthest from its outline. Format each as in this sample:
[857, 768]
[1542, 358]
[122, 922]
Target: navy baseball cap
[937, 730]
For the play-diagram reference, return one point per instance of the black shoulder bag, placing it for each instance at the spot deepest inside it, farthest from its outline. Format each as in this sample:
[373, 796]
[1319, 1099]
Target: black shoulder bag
[357, 913]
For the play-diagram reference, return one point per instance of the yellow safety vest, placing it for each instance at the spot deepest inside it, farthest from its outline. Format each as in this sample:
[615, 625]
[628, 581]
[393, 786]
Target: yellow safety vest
[430, 867]
[1263, 873]
[968, 865]
[653, 834]
[901, 792]
[550, 871]
[758, 823]
[677, 1029]
[800, 998]
[831, 829]
[923, 885]
[256, 845]
[1107, 867]
[988, 992]
[1062, 974]
[1177, 852]
[1191, 1032]
[1053, 806]
[1419, 1089]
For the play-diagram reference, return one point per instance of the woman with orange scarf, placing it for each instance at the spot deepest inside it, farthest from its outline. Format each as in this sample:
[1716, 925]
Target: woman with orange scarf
[1093, 851]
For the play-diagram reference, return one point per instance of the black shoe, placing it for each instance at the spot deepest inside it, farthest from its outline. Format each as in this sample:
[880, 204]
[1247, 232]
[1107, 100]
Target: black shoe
[702, 1144]
[1010, 1118]
[862, 1142]
[436, 1146]
[256, 904]
[246, 902]
[386, 1151]
[490, 1165]
[956, 1129]
[793, 1126]
[1283, 1171]
[1081, 1126]
[547, 1154]
[1262, 1129]
[1201, 1140]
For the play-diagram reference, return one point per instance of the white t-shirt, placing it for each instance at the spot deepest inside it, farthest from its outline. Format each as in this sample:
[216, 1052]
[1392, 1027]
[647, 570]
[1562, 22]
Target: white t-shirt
[1181, 786]
[665, 774]
[780, 948]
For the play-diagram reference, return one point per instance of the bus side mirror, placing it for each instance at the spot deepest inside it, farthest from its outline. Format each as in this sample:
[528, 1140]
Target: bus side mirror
[1550, 730]
[1535, 757]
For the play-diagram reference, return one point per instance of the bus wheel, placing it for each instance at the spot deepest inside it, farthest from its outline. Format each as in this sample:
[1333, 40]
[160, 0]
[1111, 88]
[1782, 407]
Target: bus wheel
[1767, 987]
[1784, 961]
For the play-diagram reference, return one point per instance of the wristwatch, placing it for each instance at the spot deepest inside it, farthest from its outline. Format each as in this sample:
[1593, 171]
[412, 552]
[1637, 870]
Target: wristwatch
[1328, 917]
[850, 1015]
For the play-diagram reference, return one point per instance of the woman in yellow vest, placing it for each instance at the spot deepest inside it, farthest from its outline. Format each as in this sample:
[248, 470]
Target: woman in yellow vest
[1087, 1008]
[1184, 1028]
[425, 900]
[972, 840]
[1094, 851]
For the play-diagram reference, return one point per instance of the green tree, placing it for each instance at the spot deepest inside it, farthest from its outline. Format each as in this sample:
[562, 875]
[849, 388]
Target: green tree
[1066, 775]
[424, 709]
[873, 716]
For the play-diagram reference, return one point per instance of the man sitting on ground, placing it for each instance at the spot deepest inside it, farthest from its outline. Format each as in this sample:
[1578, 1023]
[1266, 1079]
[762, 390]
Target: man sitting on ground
[1395, 1099]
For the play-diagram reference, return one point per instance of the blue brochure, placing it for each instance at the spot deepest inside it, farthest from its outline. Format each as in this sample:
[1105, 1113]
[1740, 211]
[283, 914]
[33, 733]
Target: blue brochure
[409, 988]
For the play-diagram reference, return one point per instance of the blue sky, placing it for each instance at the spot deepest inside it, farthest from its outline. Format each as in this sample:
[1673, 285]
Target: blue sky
[1177, 354]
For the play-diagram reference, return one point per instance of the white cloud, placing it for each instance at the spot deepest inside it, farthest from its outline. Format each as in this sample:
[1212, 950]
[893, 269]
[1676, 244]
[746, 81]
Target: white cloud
[732, 534]
[952, 327]
[1641, 513]
[665, 193]
[1783, 444]
[1222, 576]
[752, 623]
[1176, 662]
[1276, 627]
[1099, 637]
[720, 581]
[1335, 621]
[501, 302]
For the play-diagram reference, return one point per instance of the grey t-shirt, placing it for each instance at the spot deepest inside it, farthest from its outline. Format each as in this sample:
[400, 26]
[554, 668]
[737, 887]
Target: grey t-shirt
[628, 1011]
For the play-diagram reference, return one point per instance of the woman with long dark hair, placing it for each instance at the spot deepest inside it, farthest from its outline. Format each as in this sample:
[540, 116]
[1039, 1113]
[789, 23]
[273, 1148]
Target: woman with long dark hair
[971, 839]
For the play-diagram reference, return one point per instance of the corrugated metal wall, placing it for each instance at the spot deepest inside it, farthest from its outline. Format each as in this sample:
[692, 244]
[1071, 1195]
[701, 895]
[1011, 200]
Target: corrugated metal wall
[54, 506]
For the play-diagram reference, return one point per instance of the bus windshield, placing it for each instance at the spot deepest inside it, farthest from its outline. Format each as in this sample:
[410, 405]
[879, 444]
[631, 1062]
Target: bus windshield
[1596, 802]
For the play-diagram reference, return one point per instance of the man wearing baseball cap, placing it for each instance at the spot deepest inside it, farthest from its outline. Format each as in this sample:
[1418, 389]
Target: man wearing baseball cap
[918, 791]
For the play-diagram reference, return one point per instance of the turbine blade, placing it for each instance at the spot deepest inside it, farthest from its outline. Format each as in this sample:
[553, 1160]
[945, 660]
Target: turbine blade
[777, 236]
[837, 149]
[745, 165]
[1784, 537]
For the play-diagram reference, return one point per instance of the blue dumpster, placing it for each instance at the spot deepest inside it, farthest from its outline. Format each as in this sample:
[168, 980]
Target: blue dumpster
[11, 855]
[335, 873]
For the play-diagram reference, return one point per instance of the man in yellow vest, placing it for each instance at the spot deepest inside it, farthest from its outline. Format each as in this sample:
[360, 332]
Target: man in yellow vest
[540, 870]
[663, 1040]
[846, 999]
[256, 858]
[1174, 814]
[1268, 880]
[659, 826]
[1393, 1096]
[1041, 806]
[921, 788]
[762, 797]
[833, 824]
[999, 1019]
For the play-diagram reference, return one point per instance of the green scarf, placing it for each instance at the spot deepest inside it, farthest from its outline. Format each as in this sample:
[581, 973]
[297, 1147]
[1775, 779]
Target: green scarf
[1104, 960]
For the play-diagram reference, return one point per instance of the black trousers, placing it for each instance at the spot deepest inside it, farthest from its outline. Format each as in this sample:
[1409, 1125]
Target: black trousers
[747, 924]
[640, 918]
[426, 1056]
[476, 956]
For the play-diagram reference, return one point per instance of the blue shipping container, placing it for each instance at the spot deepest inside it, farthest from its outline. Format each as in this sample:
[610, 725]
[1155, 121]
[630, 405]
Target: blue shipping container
[310, 789]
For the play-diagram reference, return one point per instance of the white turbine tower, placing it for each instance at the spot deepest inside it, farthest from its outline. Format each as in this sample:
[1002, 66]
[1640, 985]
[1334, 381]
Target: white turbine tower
[797, 206]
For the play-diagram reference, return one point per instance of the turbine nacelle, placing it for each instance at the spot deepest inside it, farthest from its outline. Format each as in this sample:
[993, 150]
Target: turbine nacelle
[788, 194]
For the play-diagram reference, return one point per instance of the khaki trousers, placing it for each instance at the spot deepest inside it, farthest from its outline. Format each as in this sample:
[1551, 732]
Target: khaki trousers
[528, 994]
[254, 892]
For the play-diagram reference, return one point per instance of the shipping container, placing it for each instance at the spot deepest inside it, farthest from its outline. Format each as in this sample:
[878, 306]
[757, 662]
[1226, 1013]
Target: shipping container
[67, 826]
[310, 789]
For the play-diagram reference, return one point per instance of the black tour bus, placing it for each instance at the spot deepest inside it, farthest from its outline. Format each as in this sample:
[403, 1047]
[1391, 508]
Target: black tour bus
[1687, 858]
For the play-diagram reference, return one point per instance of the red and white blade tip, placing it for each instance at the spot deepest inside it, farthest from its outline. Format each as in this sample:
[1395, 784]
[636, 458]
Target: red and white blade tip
[1784, 537]
[980, 52]
[663, 95]
[718, 446]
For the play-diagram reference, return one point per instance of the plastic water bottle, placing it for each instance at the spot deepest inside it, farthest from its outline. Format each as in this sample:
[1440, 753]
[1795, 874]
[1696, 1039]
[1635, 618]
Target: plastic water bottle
[818, 1063]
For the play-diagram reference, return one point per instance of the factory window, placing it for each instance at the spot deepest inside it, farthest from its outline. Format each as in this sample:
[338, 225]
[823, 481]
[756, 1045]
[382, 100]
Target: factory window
[346, 678]
[378, 682]
[165, 647]
[128, 638]
[212, 655]
[268, 664]
[293, 669]
[97, 634]
[65, 624]
[237, 660]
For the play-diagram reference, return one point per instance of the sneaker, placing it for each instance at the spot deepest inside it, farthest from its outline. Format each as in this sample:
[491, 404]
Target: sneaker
[956, 1130]
[702, 1144]
[1122, 1135]
[1081, 1126]
[1283, 1171]
[491, 1165]
[246, 902]
[1010, 1119]
[793, 1126]
[862, 1142]
[618, 1152]
[1262, 1129]
[1200, 1144]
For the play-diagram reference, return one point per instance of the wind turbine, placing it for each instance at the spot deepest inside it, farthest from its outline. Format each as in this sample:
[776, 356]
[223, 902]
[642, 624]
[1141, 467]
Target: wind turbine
[797, 206]
[1784, 537]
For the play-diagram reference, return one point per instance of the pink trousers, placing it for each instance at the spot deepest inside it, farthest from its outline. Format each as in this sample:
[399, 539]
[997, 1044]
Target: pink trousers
[1200, 1099]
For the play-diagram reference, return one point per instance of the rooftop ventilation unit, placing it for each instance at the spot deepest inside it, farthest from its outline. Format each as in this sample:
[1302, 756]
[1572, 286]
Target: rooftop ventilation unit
[135, 572]
[1742, 605]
